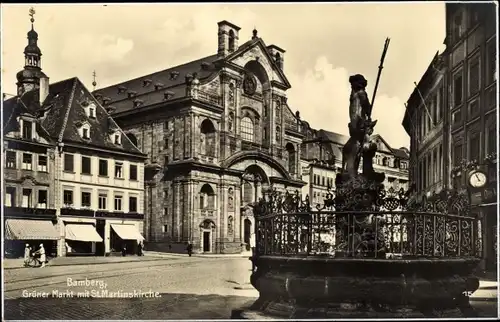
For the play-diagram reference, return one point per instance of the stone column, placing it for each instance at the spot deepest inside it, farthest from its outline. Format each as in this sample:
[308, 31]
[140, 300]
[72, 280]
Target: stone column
[196, 137]
[237, 98]
[185, 211]
[218, 129]
[192, 135]
[187, 137]
[176, 209]
[223, 214]
[258, 186]
[237, 214]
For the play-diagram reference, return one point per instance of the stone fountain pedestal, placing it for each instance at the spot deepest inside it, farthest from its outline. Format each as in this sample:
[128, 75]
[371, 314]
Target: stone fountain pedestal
[328, 288]
[367, 284]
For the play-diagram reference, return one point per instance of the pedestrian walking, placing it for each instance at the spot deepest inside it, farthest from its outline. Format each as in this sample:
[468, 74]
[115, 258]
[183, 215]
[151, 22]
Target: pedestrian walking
[139, 249]
[27, 254]
[189, 249]
[124, 250]
[252, 247]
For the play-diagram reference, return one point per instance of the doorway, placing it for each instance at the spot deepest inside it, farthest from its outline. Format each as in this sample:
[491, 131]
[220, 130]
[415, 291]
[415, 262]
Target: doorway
[247, 229]
[206, 241]
[100, 228]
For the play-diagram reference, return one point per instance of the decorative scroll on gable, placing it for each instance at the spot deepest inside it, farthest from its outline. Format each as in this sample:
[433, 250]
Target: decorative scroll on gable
[290, 119]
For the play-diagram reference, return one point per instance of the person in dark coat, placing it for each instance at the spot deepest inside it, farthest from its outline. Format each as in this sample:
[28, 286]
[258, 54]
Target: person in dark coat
[189, 249]
[124, 250]
[139, 249]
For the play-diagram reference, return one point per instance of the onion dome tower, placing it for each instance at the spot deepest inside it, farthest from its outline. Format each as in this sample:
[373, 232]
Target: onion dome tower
[29, 78]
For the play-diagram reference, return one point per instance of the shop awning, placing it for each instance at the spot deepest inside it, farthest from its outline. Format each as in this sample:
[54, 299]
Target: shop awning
[127, 232]
[26, 229]
[82, 232]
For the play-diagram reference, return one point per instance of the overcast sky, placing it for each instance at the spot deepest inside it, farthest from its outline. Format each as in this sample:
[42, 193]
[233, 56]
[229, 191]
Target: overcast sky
[324, 43]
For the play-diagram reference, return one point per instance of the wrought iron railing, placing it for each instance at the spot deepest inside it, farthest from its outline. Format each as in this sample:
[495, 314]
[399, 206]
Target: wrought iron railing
[393, 228]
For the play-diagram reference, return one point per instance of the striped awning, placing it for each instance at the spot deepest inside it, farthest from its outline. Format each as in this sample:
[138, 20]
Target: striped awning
[127, 232]
[82, 232]
[26, 229]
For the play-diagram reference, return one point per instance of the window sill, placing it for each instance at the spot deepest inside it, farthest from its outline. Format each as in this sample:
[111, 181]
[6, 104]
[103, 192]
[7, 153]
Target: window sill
[26, 169]
[103, 176]
[11, 168]
[42, 171]
[134, 180]
[86, 174]
[117, 178]
[68, 171]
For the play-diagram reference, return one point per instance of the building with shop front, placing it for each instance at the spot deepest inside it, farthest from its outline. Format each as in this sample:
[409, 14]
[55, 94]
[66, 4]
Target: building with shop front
[468, 130]
[218, 133]
[321, 158]
[68, 162]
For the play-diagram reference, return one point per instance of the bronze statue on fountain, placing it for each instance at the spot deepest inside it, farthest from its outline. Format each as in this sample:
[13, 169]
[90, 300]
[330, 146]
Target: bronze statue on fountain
[359, 147]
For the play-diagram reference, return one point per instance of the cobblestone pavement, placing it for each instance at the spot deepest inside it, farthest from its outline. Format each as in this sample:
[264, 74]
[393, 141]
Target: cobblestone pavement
[188, 288]
[183, 288]
[485, 299]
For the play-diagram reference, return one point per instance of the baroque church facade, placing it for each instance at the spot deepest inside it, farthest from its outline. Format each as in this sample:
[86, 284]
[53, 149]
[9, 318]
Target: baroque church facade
[218, 132]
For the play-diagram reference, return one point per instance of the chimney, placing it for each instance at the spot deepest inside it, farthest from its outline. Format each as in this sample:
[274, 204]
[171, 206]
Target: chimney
[44, 89]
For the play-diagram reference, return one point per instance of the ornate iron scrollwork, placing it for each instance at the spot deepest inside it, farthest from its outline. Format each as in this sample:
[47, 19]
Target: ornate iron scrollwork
[366, 220]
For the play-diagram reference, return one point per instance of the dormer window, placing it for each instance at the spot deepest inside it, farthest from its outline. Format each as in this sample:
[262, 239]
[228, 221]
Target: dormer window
[121, 89]
[146, 82]
[110, 109]
[174, 75]
[168, 95]
[117, 138]
[27, 130]
[90, 110]
[158, 86]
[84, 130]
[132, 94]
[86, 133]
[138, 103]
[106, 100]
[205, 66]
[98, 95]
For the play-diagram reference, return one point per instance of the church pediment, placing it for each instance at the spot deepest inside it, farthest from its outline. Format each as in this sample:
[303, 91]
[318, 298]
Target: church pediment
[256, 50]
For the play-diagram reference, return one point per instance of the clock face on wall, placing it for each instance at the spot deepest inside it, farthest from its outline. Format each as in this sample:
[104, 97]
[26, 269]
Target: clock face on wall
[249, 84]
[477, 179]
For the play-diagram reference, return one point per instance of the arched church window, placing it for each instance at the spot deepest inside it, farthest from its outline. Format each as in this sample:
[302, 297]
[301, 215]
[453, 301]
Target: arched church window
[231, 41]
[277, 57]
[290, 148]
[230, 122]
[207, 138]
[247, 129]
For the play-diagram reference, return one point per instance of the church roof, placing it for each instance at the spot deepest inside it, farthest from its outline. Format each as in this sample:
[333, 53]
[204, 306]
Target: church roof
[171, 79]
[63, 111]
[333, 137]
